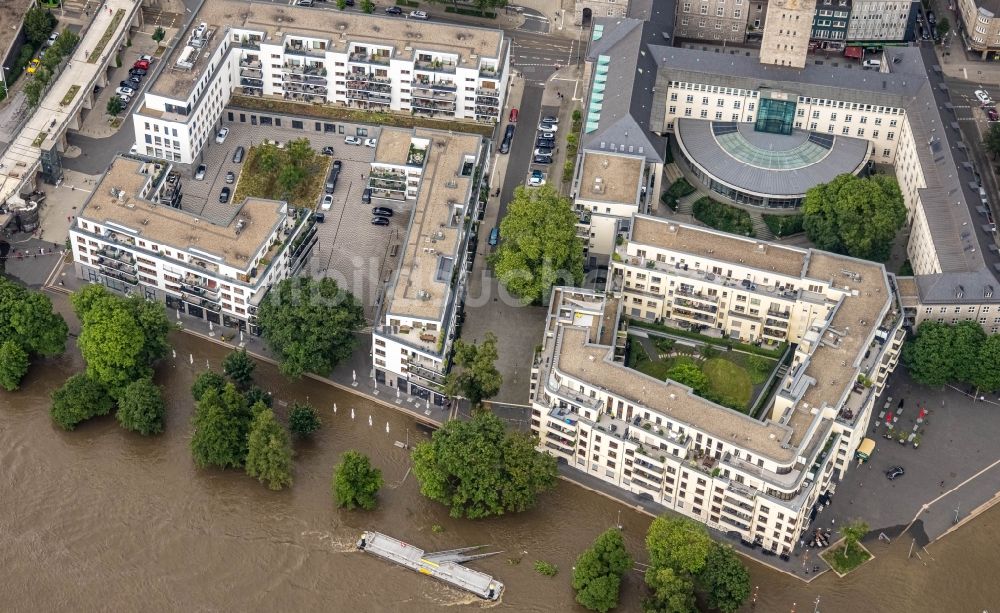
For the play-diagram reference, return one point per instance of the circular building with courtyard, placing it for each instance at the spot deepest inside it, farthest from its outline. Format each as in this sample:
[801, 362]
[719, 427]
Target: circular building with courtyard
[751, 165]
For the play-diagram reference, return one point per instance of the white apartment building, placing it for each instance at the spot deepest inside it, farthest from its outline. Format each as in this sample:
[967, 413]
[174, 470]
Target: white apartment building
[130, 238]
[415, 322]
[320, 56]
[759, 478]
[874, 21]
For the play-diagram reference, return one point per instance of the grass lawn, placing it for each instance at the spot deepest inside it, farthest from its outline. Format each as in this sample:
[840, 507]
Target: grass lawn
[856, 556]
[728, 380]
[255, 183]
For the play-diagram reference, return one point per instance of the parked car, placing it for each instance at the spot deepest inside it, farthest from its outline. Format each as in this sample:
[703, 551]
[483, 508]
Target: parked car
[125, 91]
[543, 151]
[127, 84]
[536, 178]
[221, 135]
[393, 10]
[125, 99]
[135, 79]
[419, 15]
[366, 196]
[542, 159]
[508, 137]
[546, 143]
[52, 39]
[983, 97]
[303, 2]
[33, 65]
[337, 165]
[371, 142]
[352, 140]
[146, 58]
[382, 211]
[327, 202]
[138, 72]
[380, 221]
[544, 134]
[992, 114]
[494, 236]
[894, 472]
[238, 155]
[550, 119]
[230, 177]
[199, 175]
[327, 151]
[143, 64]
[319, 217]
[224, 195]
[547, 127]
[513, 116]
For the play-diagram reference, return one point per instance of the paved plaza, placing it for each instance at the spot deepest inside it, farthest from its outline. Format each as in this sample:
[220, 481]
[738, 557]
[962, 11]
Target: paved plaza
[955, 466]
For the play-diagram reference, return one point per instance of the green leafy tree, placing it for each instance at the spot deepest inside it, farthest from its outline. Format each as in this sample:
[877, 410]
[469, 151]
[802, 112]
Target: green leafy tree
[540, 247]
[269, 454]
[267, 157]
[141, 408]
[300, 152]
[678, 543]
[14, 364]
[671, 592]
[114, 106]
[690, 375]
[987, 375]
[725, 580]
[355, 482]
[303, 419]
[79, 399]
[853, 533]
[33, 91]
[598, 571]
[239, 367]
[367, 6]
[51, 59]
[38, 25]
[943, 27]
[290, 177]
[66, 41]
[255, 396]
[474, 375]
[478, 469]
[341, 4]
[856, 216]
[310, 325]
[206, 380]
[928, 356]
[159, 34]
[967, 338]
[221, 423]
[992, 140]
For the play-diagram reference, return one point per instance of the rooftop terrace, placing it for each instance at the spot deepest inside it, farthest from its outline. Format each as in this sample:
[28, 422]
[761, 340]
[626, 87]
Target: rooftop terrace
[607, 177]
[235, 241]
[338, 29]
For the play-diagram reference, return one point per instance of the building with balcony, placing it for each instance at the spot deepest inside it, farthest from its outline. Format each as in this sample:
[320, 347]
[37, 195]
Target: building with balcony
[422, 303]
[758, 478]
[129, 240]
[980, 27]
[317, 56]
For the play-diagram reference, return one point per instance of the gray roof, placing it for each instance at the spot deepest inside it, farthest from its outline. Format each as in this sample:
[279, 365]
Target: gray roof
[628, 101]
[769, 164]
[907, 87]
[946, 288]
[992, 6]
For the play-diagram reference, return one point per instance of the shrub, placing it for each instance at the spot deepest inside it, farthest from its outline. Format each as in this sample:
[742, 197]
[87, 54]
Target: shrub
[723, 217]
[784, 225]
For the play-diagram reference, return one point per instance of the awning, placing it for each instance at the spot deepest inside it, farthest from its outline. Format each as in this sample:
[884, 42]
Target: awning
[854, 52]
[866, 448]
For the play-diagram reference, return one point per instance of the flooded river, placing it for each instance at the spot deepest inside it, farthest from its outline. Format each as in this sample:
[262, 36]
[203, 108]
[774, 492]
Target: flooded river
[103, 519]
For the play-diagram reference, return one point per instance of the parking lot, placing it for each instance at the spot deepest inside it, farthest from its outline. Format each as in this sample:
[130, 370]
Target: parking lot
[955, 466]
[350, 250]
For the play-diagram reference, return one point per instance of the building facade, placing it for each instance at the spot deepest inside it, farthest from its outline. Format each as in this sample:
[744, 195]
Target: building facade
[129, 238]
[758, 478]
[585, 11]
[787, 31]
[327, 57]
[725, 20]
[439, 175]
[829, 27]
[878, 21]
[980, 26]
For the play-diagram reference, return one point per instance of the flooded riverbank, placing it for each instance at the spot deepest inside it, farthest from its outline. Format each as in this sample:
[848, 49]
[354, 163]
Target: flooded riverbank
[103, 519]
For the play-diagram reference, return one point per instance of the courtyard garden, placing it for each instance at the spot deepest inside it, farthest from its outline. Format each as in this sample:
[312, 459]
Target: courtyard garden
[292, 172]
[723, 217]
[728, 377]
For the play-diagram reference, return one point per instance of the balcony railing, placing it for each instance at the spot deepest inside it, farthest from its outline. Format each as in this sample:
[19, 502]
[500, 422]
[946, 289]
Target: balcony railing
[307, 51]
[116, 254]
[432, 84]
[488, 73]
[433, 94]
[369, 58]
[370, 97]
[433, 105]
[435, 66]
[368, 86]
[251, 43]
[691, 304]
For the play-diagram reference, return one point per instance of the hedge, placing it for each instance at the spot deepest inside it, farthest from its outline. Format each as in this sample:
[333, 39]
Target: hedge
[721, 342]
[723, 217]
[677, 190]
[784, 225]
[470, 12]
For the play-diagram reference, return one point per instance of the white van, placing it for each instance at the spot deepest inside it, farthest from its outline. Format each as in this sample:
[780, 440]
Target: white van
[872, 64]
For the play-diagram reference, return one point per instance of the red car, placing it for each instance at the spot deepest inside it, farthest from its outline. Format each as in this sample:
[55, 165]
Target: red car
[141, 64]
[513, 115]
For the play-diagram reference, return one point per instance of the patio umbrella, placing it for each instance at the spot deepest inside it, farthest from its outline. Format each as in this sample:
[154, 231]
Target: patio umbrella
[888, 418]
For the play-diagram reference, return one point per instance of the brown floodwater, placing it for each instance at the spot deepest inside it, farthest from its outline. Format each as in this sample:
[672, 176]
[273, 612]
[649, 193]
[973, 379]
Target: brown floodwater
[101, 519]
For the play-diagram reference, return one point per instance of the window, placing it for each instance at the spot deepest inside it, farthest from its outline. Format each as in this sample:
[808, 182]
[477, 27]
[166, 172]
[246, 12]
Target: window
[891, 136]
